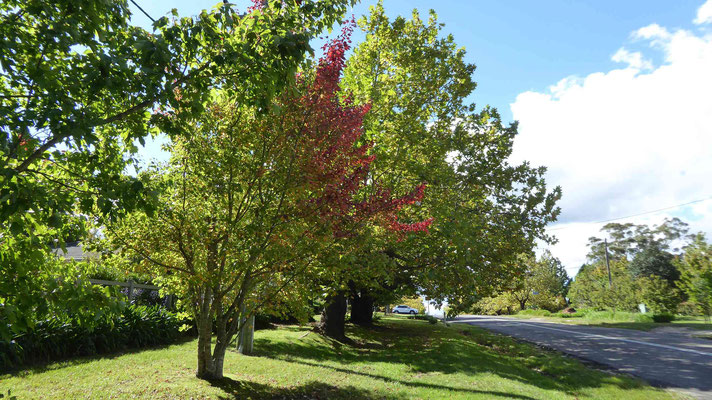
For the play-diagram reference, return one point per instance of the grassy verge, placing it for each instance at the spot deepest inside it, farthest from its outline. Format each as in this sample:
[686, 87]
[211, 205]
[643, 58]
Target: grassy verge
[399, 359]
[610, 319]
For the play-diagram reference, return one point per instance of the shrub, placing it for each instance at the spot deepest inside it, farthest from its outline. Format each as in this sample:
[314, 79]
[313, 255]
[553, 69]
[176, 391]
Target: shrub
[687, 308]
[617, 316]
[663, 317]
[568, 315]
[536, 313]
[659, 295]
[134, 327]
[591, 288]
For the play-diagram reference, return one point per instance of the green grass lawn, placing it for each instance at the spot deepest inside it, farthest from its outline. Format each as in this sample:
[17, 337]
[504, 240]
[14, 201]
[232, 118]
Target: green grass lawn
[399, 359]
[625, 320]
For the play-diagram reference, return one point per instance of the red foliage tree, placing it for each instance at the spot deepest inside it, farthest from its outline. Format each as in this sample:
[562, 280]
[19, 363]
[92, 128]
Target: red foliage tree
[334, 157]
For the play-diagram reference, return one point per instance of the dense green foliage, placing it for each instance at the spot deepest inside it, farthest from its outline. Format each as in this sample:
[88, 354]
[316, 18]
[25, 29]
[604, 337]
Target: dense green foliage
[654, 261]
[591, 288]
[659, 295]
[696, 274]
[485, 210]
[59, 338]
[79, 85]
[286, 182]
[663, 318]
[627, 240]
[646, 269]
[65, 292]
[535, 313]
[544, 285]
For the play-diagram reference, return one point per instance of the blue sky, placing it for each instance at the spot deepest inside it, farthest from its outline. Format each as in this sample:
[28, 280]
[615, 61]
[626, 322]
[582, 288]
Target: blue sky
[612, 96]
[516, 45]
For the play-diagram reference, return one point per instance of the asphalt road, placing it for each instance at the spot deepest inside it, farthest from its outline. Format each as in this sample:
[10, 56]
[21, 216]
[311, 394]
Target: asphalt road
[669, 360]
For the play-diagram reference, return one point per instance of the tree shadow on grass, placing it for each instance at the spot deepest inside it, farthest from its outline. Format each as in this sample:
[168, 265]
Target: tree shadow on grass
[458, 350]
[313, 390]
[423, 385]
[319, 390]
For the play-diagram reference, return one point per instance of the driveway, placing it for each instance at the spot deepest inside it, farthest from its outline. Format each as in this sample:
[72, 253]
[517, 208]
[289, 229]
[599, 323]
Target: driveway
[669, 360]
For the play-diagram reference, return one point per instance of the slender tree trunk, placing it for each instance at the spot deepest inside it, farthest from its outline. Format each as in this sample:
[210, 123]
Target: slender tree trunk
[362, 308]
[218, 358]
[333, 317]
[522, 304]
[210, 362]
[206, 367]
[246, 336]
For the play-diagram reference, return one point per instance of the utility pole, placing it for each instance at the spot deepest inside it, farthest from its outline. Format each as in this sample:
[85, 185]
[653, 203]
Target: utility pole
[610, 281]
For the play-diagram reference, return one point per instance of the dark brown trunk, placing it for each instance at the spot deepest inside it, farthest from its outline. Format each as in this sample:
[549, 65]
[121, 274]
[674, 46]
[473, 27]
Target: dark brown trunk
[362, 308]
[333, 317]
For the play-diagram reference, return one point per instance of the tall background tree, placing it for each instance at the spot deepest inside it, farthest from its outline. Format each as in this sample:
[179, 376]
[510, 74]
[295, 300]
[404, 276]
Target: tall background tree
[696, 274]
[645, 268]
[627, 240]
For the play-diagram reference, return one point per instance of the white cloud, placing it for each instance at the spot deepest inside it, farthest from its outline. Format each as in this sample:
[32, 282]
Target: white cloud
[634, 59]
[625, 141]
[651, 32]
[704, 13]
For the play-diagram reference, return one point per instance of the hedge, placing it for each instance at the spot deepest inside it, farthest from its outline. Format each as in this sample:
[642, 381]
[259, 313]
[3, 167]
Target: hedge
[55, 339]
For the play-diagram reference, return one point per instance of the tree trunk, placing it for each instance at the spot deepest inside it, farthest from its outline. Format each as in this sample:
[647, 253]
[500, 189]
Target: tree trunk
[333, 317]
[246, 336]
[210, 360]
[206, 366]
[522, 304]
[362, 308]
[221, 345]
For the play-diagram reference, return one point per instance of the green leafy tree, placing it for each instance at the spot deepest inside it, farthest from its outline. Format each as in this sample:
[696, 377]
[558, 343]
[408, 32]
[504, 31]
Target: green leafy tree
[659, 295]
[627, 240]
[696, 273]
[485, 211]
[651, 260]
[591, 288]
[544, 284]
[250, 201]
[79, 85]
[502, 303]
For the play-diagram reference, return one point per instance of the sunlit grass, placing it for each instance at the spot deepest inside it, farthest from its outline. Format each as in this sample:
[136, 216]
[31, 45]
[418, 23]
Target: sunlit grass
[399, 359]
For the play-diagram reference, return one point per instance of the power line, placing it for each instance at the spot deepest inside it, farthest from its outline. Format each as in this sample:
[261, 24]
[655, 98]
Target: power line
[637, 215]
[142, 10]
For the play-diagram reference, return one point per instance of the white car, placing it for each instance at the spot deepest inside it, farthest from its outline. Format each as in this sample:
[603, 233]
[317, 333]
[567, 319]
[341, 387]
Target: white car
[404, 310]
